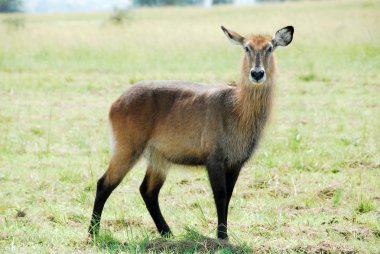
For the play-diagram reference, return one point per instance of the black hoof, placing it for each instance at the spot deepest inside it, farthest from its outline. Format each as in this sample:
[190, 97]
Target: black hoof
[222, 234]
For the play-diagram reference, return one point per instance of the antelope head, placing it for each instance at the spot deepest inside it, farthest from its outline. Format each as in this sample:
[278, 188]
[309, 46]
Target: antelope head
[259, 51]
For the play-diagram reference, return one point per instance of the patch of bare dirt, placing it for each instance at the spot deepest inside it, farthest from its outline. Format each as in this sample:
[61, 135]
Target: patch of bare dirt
[352, 232]
[122, 224]
[248, 194]
[296, 207]
[362, 164]
[259, 184]
[326, 193]
[324, 247]
[20, 213]
[202, 245]
[279, 193]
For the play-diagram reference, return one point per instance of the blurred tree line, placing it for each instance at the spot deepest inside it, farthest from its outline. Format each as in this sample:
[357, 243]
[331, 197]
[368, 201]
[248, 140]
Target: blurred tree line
[177, 2]
[16, 5]
[10, 5]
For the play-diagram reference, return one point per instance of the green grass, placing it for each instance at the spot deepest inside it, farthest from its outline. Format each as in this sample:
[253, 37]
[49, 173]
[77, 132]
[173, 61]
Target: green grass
[312, 186]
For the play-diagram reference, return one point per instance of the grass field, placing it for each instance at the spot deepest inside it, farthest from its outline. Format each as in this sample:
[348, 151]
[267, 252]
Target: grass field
[312, 186]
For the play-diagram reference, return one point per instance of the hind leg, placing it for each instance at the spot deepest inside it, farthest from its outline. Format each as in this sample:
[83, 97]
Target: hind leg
[149, 189]
[122, 161]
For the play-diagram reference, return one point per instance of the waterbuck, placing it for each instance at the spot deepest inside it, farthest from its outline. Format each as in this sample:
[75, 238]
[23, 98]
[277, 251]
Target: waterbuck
[178, 122]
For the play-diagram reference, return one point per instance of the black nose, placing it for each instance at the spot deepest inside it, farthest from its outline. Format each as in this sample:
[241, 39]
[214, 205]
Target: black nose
[257, 75]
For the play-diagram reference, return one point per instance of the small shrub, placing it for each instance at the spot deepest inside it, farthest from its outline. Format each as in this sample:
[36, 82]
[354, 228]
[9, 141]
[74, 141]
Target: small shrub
[337, 197]
[308, 77]
[119, 16]
[310, 202]
[38, 131]
[132, 80]
[14, 23]
[294, 140]
[365, 206]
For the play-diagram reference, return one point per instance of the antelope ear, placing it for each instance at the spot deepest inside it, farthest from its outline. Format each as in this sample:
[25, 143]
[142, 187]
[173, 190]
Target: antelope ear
[234, 37]
[283, 37]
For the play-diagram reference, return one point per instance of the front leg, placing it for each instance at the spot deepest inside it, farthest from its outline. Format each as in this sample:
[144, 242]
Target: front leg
[232, 174]
[216, 173]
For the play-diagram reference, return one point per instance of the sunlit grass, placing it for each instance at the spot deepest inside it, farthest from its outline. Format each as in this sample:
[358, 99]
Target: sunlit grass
[312, 185]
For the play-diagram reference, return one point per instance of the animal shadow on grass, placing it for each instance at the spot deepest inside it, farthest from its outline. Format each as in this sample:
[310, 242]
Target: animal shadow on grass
[190, 242]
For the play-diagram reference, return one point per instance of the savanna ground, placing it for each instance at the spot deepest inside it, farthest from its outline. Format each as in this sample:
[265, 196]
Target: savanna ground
[313, 185]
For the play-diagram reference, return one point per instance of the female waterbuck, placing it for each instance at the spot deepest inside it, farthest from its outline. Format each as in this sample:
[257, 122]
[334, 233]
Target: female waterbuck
[218, 126]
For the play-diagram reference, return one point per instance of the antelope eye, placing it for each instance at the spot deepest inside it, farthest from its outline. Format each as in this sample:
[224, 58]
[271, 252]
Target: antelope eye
[246, 49]
[269, 49]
